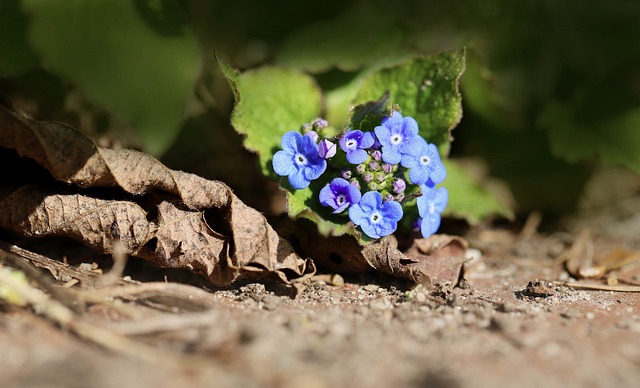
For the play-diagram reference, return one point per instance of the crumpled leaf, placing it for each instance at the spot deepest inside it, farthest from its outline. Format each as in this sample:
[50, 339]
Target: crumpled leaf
[172, 218]
[438, 259]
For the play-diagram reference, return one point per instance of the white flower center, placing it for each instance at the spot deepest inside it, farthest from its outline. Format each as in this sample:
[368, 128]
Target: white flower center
[424, 159]
[396, 139]
[375, 218]
[341, 199]
[351, 143]
[300, 160]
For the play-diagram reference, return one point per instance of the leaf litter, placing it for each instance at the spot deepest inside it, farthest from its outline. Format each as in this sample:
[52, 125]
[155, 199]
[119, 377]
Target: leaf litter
[171, 218]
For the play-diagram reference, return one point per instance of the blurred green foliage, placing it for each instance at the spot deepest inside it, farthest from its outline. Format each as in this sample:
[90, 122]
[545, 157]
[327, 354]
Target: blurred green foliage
[551, 89]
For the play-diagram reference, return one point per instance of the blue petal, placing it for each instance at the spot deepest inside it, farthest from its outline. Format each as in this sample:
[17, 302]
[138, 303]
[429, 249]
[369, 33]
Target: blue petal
[416, 147]
[357, 156]
[315, 169]
[370, 230]
[370, 201]
[423, 201]
[383, 134]
[408, 161]
[430, 225]
[341, 208]
[367, 140]
[357, 215]
[438, 173]
[441, 199]
[298, 181]
[290, 141]
[386, 229]
[391, 211]
[308, 147]
[395, 120]
[410, 127]
[390, 155]
[283, 163]
[327, 197]
[354, 194]
[418, 175]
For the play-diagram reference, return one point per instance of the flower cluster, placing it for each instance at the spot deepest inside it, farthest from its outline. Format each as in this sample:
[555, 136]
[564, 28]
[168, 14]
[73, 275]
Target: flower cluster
[381, 172]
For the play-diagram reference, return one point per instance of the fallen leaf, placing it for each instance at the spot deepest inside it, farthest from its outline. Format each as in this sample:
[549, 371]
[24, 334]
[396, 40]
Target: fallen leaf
[441, 257]
[438, 259]
[171, 218]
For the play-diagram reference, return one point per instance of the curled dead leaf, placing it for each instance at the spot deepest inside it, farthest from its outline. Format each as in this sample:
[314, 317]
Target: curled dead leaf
[438, 259]
[172, 218]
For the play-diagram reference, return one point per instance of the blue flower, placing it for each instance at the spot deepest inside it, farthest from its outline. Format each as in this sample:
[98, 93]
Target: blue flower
[395, 133]
[432, 202]
[376, 218]
[424, 163]
[354, 144]
[299, 160]
[339, 194]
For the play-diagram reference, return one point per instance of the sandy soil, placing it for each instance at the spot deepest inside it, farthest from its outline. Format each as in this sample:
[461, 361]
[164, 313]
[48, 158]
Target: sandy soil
[505, 326]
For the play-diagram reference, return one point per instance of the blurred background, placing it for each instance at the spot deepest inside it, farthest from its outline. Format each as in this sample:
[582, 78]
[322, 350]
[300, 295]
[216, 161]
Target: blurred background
[551, 91]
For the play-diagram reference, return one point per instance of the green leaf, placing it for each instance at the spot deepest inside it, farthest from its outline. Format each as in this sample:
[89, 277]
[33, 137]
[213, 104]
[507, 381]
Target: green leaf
[231, 75]
[16, 56]
[338, 99]
[119, 61]
[357, 37]
[271, 101]
[468, 198]
[367, 116]
[425, 88]
[614, 140]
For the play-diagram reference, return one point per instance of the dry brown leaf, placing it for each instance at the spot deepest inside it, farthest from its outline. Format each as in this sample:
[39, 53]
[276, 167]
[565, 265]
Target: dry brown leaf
[441, 257]
[438, 259]
[172, 218]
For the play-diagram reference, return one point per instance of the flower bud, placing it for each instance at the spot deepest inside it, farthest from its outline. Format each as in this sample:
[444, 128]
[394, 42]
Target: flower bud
[320, 124]
[361, 168]
[313, 135]
[386, 168]
[345, 173]
[326, 149]
[368, 176]
[354, 182]
[376, 155]
[399, 185]
[380, 177]
[373, 186]
[374, 166]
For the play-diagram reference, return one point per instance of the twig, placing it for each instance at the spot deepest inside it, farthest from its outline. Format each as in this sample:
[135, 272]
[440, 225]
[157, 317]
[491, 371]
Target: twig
[62, 315]
[599, 287]
[119, 256]
[165, 323]
[179, 295]
[56, 268]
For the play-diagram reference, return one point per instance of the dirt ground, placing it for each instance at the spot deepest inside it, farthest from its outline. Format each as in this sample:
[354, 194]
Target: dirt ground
[505, 326]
